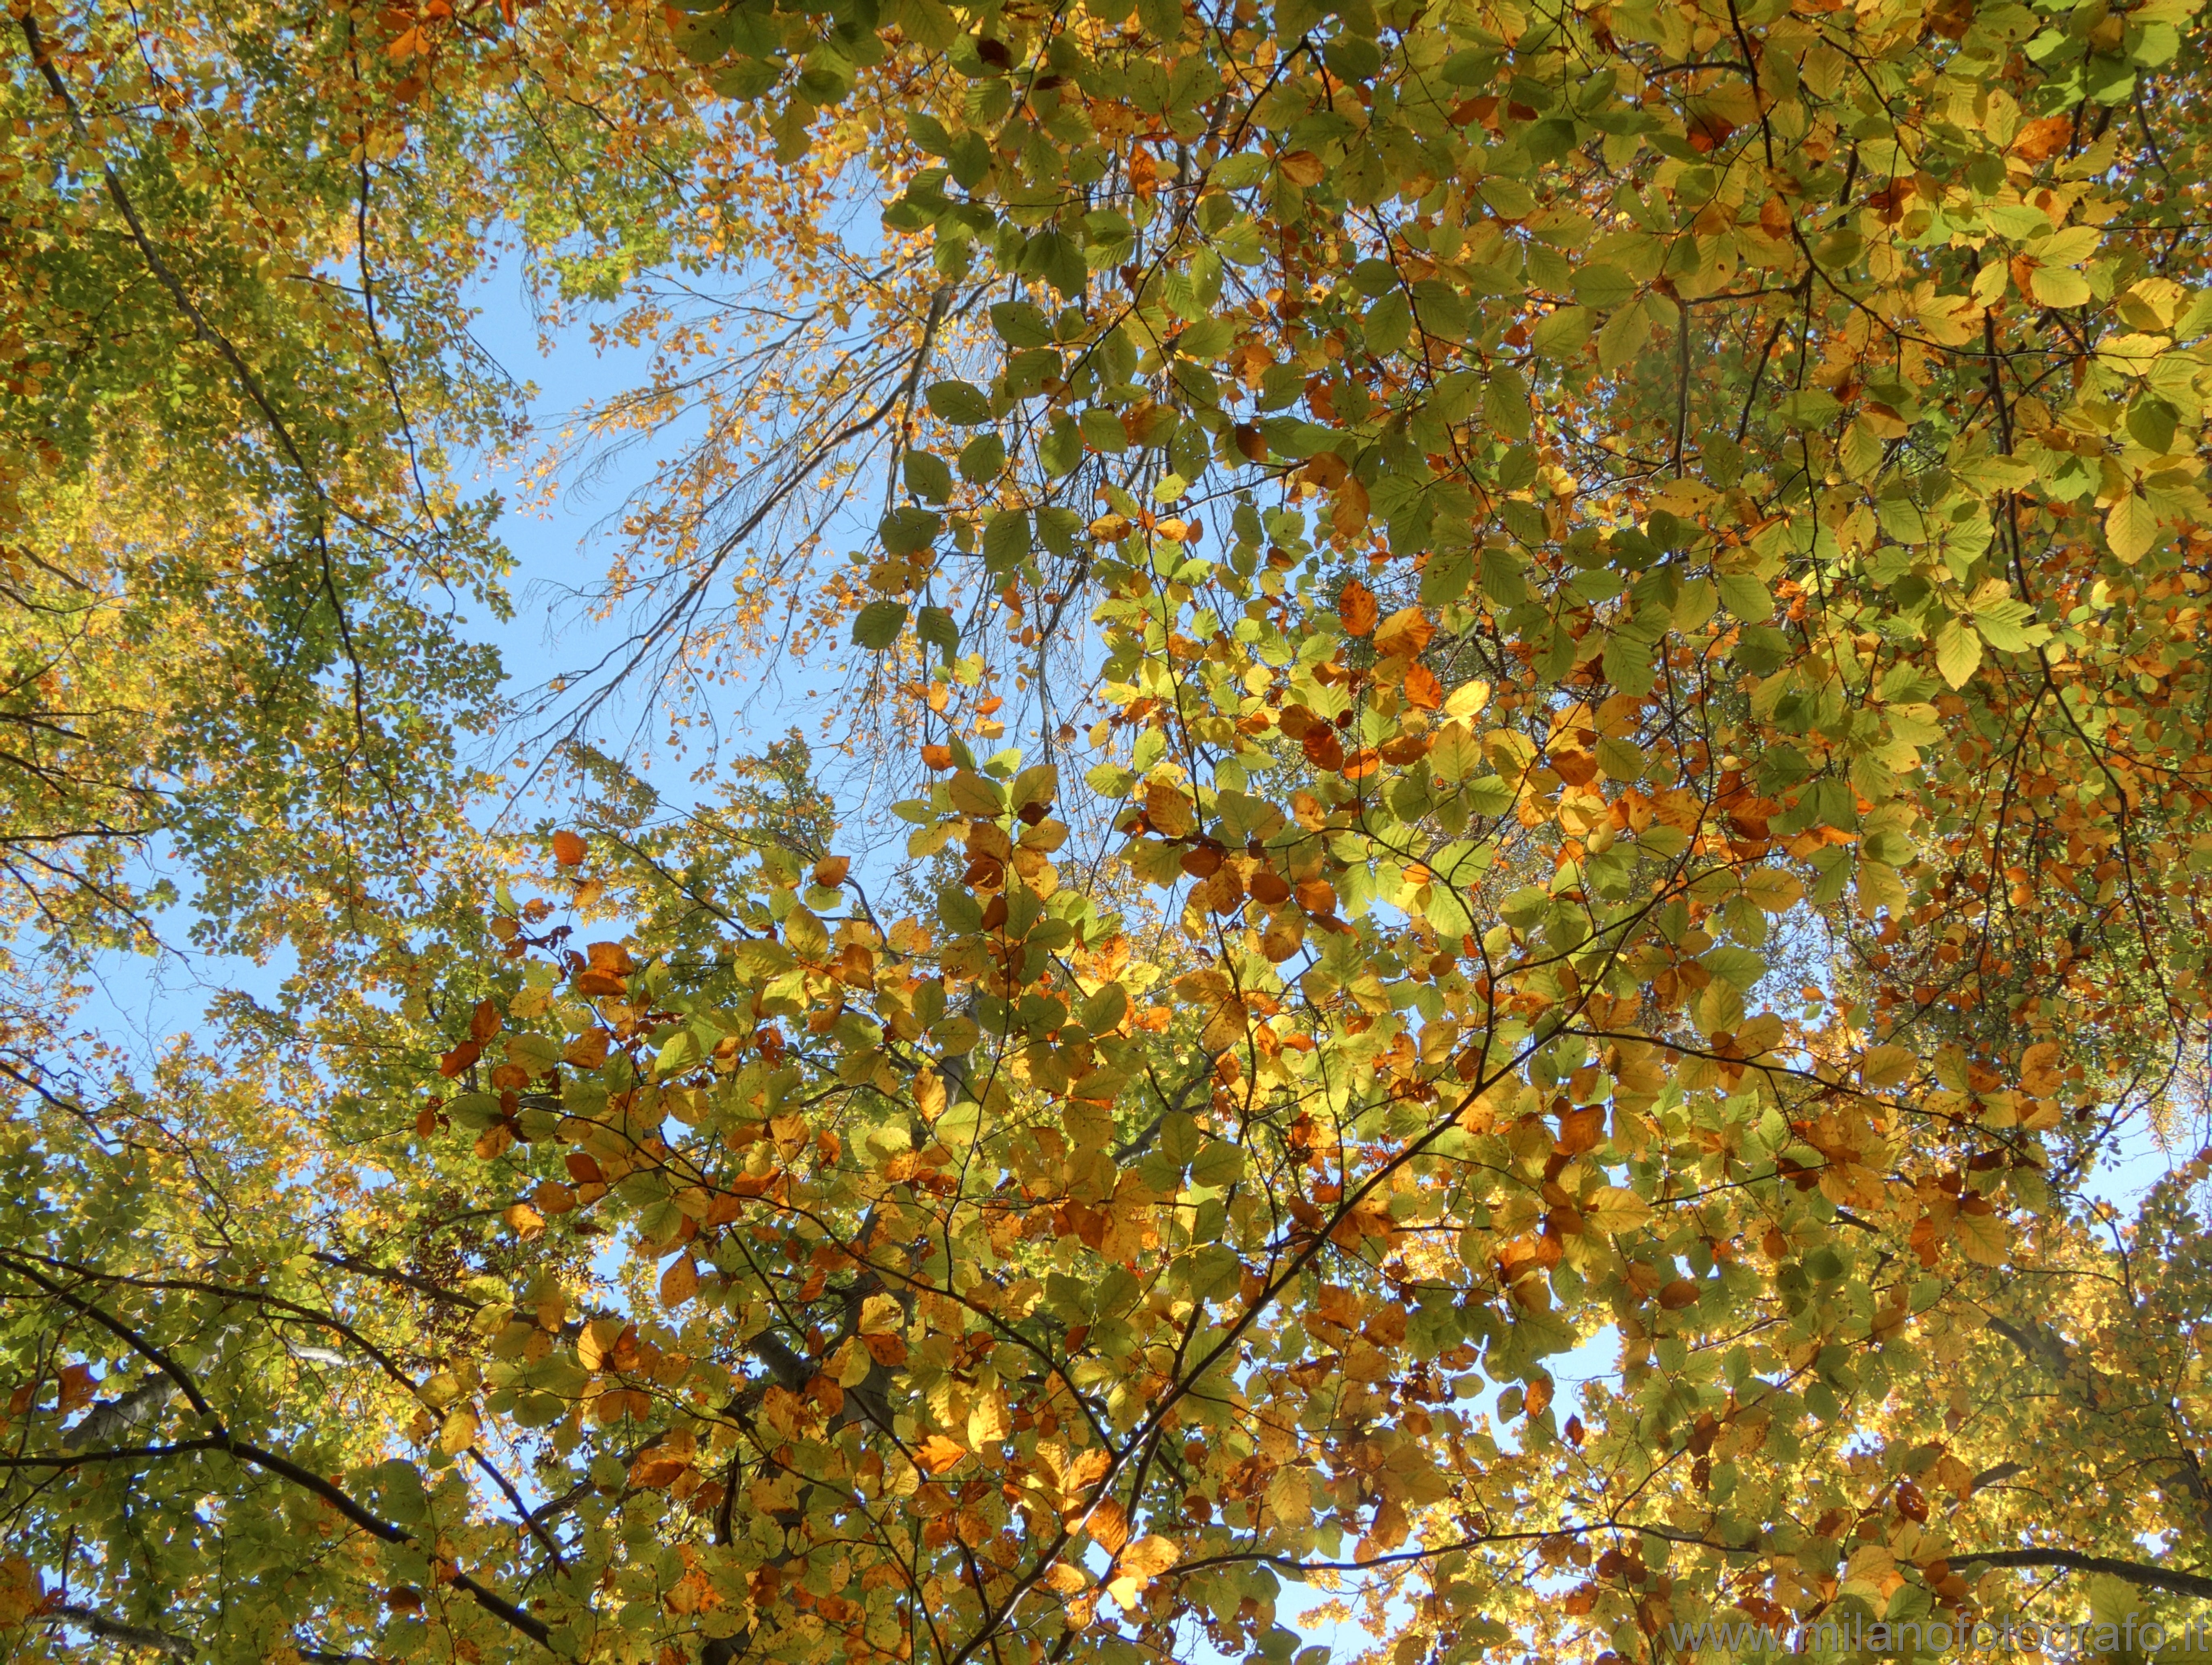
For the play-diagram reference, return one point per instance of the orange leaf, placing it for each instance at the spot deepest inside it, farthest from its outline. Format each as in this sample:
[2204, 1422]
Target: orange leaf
[589, 1050]
[1303, 167]
[936, 1453]
[1582, 1129]
[483, 1022]
[655, 1472]
[2039, 139]
[1347, 511]
[568, 850]
[1423, 692]
[1356, 607]
[1405, 633]
[1109, 1526]
[829, 872]
[678, 1283]
[459, 1059]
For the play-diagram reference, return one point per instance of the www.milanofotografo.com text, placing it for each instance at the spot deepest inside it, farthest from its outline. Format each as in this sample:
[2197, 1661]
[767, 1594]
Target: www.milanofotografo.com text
[2055, 1638]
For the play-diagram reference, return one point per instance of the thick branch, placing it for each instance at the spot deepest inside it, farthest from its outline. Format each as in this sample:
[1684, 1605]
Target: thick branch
[2138, 1573]
[130, 1636]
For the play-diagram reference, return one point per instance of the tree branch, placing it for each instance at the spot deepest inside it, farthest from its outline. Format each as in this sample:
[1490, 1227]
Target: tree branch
[2138, 1573]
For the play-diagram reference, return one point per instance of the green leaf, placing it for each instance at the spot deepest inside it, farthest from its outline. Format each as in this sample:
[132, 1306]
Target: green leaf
[1744, 595]
[1604, 287]
[876, 625]
[1019, 324]
[1508, 199]
[2005, 625]
[960, 403]
[935, 626]
[927, 476]
[2059, 286]
[1562, 335]
[1811, 408]
[908, 530]
[1006, 541]
[1447, 578]
[1622, 338]
[1389, 323]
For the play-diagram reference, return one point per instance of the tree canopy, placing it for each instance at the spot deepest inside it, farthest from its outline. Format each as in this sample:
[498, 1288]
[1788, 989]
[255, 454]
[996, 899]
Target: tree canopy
[1507, 821]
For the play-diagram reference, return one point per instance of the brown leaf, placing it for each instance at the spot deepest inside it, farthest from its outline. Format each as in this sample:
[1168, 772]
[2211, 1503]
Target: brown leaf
[76, 1387]
[483, 1021]
[1302, 167]
[1677, 1294]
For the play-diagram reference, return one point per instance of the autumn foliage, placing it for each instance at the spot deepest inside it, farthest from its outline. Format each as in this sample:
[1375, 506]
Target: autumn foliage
[1511, 819]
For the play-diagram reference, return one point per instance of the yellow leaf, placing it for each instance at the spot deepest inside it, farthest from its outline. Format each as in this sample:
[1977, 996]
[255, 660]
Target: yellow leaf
[988, 1420]
[1150, 1556]
[2131, 528]
[882, 1315]
[597, 1342]
[1886, 1066]
[1467, 698]
[1981, 1239]
[1616, 1209]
